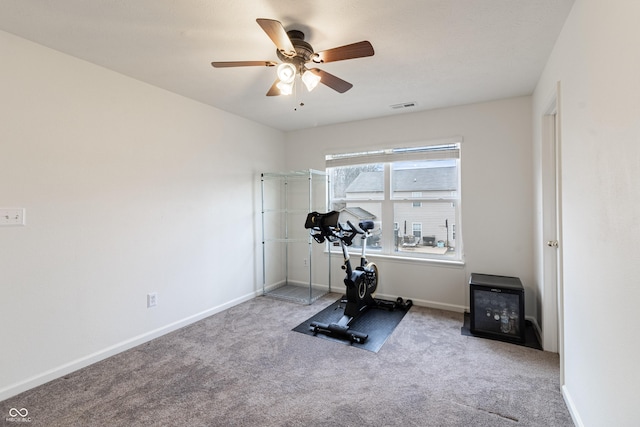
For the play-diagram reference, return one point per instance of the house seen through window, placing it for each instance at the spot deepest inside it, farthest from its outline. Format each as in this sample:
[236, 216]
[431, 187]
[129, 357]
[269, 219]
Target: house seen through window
[411, 194]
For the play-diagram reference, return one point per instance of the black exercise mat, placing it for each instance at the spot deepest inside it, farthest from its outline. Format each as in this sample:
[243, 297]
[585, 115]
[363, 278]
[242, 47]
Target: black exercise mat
[378, 323]
[530, 337]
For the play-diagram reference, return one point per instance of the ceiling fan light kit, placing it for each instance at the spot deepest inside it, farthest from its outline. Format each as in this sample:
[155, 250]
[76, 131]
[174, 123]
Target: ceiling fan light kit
[286, 72]
[310, 80]
[295, 53]
[285, 88]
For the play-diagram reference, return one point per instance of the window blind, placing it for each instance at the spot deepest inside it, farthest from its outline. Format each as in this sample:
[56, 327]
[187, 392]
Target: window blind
[430, 152]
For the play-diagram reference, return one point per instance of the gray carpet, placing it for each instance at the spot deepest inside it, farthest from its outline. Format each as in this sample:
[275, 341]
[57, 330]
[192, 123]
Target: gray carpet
[246, 367]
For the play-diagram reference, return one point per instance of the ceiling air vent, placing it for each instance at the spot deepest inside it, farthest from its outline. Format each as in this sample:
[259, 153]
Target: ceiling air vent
[403, 105]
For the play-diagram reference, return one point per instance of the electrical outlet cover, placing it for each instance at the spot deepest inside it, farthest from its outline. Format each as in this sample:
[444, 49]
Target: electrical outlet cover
[152, 300]
[11, 216]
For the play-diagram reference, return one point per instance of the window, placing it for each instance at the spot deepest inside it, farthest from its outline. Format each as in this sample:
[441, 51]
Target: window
[417, 194]
[412, 195]
[417, 230]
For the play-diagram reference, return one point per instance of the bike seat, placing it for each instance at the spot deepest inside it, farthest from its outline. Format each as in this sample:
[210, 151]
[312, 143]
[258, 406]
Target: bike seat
[366, 225]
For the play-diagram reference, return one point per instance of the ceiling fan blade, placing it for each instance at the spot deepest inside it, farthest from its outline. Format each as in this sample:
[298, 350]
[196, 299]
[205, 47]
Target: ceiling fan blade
[350, 51]
[273, 90]
[278, 35]
[332, 81]
[244, 64]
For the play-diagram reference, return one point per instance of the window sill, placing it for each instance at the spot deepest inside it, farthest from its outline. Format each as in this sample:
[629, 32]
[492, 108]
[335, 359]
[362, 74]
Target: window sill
[408, 259]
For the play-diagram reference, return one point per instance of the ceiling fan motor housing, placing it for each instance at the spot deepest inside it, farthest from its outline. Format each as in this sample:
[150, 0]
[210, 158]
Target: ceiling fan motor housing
[304, 51]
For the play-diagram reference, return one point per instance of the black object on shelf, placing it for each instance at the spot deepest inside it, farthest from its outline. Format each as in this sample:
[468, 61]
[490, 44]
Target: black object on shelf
[497, 307]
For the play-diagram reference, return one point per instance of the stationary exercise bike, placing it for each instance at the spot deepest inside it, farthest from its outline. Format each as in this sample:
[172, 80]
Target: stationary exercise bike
[361, 282]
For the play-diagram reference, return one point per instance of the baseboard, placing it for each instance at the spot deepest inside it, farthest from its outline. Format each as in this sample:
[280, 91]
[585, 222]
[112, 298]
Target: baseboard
[90, 359]
[571, 407]
[417, 302]
[536, 328]
[273, 286]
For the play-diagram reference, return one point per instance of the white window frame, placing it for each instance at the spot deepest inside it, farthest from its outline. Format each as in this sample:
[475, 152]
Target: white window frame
[441, 149]
[416, 194]
[416, 227]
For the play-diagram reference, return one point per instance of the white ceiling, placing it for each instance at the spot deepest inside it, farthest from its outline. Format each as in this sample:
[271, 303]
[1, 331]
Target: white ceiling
[436, 53]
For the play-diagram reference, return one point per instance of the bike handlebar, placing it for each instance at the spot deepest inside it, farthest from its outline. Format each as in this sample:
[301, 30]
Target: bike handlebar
[326, 226]
[354, 228]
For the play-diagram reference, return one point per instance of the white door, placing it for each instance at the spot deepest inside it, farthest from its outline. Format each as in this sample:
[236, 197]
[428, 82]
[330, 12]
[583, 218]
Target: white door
[552, 307]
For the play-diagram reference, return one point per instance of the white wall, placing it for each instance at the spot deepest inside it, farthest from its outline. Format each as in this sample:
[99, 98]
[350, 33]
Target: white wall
[128, 189]
[497, 218]
[597, 63]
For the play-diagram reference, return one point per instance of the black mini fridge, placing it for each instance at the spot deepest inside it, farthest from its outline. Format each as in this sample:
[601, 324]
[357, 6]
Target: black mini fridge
[497, 307]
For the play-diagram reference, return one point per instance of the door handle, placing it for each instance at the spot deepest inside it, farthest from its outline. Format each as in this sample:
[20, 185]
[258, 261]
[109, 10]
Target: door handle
[552, 243]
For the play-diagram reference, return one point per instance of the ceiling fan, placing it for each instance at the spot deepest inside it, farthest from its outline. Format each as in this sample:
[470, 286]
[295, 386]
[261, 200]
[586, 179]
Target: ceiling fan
[295, 54]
